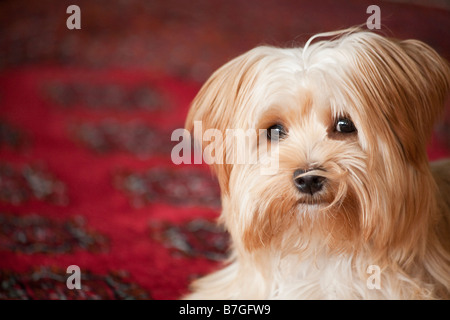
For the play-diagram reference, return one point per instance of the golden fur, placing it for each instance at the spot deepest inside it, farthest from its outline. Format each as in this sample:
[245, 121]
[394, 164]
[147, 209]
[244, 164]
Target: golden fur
[383, 204]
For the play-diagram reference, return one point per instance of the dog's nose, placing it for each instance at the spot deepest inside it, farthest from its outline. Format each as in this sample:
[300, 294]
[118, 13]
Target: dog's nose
[309, 183]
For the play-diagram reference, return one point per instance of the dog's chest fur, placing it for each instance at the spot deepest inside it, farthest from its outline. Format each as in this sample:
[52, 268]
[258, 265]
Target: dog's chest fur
[321, 277]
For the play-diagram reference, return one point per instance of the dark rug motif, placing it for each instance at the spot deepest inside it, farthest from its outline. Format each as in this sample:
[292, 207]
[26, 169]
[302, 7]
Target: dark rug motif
[196, 238]
[50, 283]
[19, 185]
[11, 136]
[135, 138]
[180, 186]
[105, 96]
[34, 233]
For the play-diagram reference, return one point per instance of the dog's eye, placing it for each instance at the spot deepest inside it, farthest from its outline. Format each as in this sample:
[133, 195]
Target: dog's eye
[344, 125]
[276, 132]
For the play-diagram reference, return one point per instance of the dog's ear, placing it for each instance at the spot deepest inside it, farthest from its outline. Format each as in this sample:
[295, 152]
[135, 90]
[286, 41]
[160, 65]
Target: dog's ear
[432, 83]
[220, 102]
[426, 87]
[405, 85]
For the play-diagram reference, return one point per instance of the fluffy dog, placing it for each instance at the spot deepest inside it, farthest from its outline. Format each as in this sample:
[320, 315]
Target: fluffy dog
[350, 116]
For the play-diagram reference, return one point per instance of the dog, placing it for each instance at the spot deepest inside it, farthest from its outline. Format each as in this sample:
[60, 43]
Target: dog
[350, 114]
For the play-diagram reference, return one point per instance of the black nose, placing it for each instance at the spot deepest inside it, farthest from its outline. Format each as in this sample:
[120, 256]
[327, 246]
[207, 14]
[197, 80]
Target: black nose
[309, 183]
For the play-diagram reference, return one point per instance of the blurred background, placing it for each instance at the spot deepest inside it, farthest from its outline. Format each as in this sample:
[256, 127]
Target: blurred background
[86, 118]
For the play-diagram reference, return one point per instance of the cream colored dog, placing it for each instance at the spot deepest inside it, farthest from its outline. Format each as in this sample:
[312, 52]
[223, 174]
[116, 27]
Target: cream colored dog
[351, 118]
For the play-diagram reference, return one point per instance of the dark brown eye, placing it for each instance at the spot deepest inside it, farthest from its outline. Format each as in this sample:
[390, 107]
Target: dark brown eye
[276, 132]
[344, 125]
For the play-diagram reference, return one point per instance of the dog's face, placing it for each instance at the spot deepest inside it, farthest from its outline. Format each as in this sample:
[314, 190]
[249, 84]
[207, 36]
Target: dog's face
[350, 119]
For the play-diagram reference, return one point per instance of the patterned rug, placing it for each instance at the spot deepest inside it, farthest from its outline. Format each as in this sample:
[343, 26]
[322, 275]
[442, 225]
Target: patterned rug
[86, 117]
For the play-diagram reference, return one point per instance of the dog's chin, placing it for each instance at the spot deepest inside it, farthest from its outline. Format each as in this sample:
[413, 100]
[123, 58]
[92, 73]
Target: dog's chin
[312, 206]
[318, 201]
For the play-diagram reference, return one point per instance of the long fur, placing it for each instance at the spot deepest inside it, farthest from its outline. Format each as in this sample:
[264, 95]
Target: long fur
[383, 203]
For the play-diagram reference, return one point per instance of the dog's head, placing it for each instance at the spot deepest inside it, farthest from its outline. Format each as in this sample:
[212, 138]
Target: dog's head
[350, 119]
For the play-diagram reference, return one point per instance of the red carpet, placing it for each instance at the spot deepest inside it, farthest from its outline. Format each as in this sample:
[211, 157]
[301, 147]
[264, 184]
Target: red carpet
[86, 179]
[86, 117]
